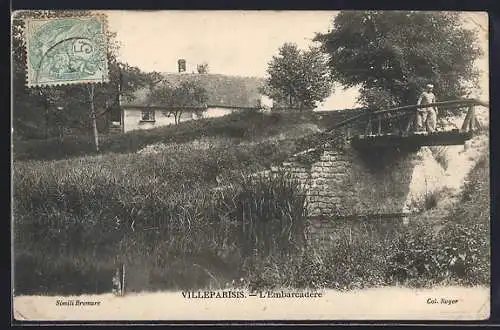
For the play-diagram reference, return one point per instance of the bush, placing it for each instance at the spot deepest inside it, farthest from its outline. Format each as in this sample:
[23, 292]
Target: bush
[456, 252]
[352, 257]
[431, 200]
[271, 213]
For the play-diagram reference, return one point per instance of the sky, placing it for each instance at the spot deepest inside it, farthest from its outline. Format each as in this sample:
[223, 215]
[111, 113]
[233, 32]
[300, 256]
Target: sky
[233, 43]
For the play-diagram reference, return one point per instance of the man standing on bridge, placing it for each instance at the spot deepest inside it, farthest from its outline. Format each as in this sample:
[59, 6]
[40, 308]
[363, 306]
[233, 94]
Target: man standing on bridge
[427, 116]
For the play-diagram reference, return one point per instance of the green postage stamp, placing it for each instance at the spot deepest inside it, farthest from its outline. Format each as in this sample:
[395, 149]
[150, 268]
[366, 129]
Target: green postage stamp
[66, 50]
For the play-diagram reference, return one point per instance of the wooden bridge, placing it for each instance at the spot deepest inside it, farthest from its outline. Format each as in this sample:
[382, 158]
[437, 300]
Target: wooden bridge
[396, 127]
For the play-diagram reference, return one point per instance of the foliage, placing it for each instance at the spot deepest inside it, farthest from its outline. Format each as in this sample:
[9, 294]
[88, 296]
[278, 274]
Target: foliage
[202, 68]
[298, 78]
[475, 198]
[458, 249]
[391, 55]
[431, 200]
[420, 255]
[456, 252]
[349, 256]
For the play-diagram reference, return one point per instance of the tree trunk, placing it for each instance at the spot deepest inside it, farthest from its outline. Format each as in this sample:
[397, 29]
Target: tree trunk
[177, 117]
[46, 114]
[94, 119]
[46, 120]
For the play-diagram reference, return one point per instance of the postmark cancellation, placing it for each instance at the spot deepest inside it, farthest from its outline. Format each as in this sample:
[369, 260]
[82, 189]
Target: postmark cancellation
[66, 50]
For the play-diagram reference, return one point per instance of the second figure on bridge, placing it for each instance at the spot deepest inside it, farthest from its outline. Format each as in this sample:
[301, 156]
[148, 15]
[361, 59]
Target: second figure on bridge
[427, 116]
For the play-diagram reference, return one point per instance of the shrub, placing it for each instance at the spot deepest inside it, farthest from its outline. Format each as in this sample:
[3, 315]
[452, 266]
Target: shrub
[351, 257]
[456, 252]
[431, 200]
[271, 213]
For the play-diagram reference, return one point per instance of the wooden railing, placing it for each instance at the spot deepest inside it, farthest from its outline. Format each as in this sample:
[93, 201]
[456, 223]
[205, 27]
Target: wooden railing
[400, 120]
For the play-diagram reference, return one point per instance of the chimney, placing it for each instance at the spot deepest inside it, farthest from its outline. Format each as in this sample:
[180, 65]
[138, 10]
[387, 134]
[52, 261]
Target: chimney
[181, 65]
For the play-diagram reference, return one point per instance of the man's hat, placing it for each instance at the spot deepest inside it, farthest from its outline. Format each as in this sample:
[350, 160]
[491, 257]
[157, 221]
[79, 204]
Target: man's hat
[429, 86]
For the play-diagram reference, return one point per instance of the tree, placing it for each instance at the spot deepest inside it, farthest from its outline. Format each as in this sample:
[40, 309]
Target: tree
[187, 95]
[125, 80]
[298, 78]
[392, 55]
[202, 68]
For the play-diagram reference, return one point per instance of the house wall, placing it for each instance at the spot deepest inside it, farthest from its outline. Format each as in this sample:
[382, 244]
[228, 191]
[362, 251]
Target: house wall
[266, 102]
[131, 118]
[213, 112]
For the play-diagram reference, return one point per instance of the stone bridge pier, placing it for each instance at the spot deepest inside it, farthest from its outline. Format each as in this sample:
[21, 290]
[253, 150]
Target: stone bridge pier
[376, 182]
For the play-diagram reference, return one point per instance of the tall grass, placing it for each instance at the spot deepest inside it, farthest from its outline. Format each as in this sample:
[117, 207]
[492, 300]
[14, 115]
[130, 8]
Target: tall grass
[162, 218]
[236, 127]
[351, 256]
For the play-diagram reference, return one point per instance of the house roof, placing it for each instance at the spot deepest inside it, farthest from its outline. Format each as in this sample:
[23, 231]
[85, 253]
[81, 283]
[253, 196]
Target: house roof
[222, 90]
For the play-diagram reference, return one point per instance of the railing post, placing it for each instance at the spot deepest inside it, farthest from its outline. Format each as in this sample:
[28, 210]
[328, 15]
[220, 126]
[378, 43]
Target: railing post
[473, 118]
[469, 120]
[379, 125]
[368, 129]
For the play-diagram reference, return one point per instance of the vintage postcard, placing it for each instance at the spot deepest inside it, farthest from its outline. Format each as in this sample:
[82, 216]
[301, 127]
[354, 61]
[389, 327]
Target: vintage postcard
[250, 165]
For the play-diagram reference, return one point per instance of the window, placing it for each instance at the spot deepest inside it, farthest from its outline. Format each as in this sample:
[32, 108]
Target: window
[147, 115]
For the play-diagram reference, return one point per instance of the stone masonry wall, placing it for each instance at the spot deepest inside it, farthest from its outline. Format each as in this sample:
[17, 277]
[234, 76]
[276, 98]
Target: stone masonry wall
[346, 183]
[341, 183]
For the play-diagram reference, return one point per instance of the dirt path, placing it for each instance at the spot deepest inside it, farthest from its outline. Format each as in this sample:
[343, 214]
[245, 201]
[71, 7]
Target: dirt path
[445, 303]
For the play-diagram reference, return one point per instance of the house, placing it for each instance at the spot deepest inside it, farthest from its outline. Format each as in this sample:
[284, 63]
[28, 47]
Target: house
[226, 94]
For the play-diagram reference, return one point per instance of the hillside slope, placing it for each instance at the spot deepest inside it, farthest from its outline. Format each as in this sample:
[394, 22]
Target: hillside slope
[250, 126]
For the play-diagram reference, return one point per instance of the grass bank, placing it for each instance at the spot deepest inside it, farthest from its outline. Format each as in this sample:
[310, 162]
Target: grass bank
[236, 127]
